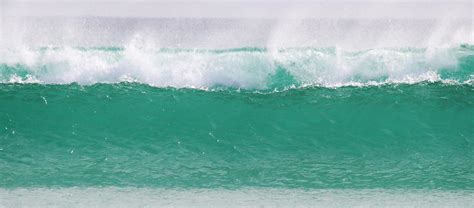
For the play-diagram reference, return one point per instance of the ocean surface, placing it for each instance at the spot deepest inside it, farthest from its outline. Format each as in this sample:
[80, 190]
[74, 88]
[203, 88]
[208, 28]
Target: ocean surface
[135, 122]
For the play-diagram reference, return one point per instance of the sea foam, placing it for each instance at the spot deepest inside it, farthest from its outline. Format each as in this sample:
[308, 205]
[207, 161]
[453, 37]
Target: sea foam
[145, 197]
[248, 68]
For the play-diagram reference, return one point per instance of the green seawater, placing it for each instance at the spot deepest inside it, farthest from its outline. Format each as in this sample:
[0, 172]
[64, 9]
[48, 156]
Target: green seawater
[390, 136]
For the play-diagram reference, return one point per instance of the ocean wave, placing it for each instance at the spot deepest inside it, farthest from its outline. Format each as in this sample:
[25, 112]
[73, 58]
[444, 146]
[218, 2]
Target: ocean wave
[246, 68]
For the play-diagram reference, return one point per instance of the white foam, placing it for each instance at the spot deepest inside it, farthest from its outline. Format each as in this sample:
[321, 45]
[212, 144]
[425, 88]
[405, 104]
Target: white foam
[247, 197]
[143, 61]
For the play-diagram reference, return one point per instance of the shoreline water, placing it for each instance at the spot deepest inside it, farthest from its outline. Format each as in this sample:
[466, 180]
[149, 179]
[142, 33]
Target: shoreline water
[145, 197]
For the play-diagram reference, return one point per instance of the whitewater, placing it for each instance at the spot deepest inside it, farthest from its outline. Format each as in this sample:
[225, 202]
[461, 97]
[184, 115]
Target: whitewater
[248, 68]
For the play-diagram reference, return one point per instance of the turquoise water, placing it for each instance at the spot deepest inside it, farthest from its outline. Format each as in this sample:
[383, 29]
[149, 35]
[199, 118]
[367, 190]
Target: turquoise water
[130, 134]
[83, 126]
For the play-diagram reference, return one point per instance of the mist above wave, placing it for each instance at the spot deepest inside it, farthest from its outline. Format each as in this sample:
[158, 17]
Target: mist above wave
[203, 33]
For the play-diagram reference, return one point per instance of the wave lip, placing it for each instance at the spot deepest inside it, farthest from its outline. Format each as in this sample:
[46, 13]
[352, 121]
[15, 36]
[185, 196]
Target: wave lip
[247, 68]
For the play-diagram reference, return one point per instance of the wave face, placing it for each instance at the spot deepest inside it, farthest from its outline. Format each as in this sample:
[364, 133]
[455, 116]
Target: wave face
[410, 136]
[247, 68]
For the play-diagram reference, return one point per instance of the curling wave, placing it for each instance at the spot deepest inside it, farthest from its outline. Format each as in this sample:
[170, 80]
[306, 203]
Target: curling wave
[247, 68]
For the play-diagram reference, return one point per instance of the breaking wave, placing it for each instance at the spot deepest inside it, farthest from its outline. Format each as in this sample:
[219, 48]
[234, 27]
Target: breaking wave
[246, 68]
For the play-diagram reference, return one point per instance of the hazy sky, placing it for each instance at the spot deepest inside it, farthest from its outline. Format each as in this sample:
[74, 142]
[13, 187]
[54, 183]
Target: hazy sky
[268, 1]
[241, 8]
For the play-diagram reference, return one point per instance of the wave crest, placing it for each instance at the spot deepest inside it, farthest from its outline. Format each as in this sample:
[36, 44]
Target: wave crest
[248, 68]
